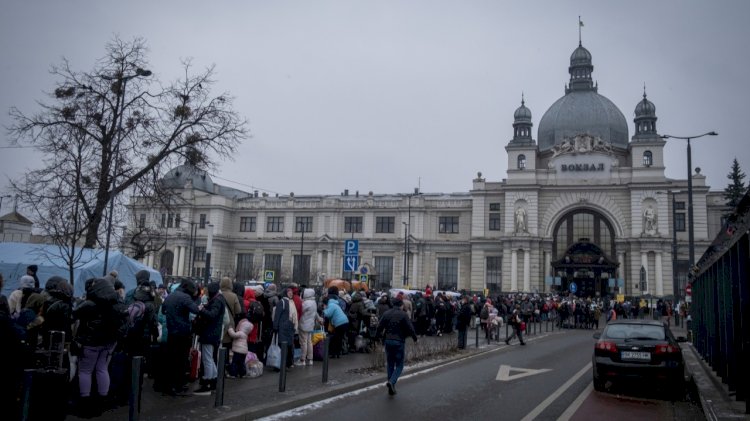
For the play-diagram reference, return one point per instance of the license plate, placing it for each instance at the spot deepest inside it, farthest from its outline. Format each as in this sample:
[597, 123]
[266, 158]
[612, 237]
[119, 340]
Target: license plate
[640, 356]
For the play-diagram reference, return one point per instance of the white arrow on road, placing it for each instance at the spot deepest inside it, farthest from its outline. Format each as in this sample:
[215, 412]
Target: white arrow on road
[503, 374]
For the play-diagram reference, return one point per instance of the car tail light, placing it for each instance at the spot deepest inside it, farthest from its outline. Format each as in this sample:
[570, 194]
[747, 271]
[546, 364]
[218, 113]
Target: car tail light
[666, 349]
[606, 346]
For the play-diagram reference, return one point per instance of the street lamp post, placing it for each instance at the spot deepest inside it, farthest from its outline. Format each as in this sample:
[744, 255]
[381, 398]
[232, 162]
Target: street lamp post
[209, 245]
[691, 233]
[407, 231]
[123, 80]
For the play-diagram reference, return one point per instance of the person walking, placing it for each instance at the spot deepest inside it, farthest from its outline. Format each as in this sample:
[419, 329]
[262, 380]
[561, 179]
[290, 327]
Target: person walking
[208, 326]
[397, 327]
[515, 323]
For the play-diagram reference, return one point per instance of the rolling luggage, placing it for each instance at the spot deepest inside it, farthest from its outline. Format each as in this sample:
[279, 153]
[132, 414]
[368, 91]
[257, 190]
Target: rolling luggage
[195, 360]
[47, 397]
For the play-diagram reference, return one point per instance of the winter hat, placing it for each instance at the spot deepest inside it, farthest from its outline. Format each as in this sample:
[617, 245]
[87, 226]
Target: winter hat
[33, 268]
[52, 283]
[309, 293]
[26, 281]
[142, 276]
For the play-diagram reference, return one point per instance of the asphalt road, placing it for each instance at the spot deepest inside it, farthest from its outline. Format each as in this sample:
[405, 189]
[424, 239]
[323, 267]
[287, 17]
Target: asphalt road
[548, 379]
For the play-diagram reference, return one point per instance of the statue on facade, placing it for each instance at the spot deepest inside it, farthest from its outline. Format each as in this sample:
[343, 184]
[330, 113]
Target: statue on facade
[582, 143]
[649, 221]
[520, 223]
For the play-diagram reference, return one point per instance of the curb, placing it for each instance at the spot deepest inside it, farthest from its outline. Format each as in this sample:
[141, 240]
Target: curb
[318, 395]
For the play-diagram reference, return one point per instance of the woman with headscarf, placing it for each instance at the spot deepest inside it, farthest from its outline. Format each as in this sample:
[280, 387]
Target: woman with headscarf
[285, 324]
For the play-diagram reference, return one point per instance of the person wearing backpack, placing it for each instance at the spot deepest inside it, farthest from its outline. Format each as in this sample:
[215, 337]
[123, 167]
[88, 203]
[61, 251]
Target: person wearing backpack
[208, 326]
[101, 320]
[177, 307]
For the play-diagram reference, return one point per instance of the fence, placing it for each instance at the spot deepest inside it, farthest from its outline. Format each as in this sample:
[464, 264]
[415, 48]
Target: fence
[721, 301]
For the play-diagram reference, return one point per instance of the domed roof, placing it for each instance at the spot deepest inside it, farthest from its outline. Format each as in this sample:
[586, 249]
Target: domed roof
[522, 114]
[645, 108]
[582, 111]
[177, 177]
[580, 56]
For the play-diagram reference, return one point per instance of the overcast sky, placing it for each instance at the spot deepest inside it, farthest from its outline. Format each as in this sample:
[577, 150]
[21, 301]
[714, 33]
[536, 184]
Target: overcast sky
[376, 95]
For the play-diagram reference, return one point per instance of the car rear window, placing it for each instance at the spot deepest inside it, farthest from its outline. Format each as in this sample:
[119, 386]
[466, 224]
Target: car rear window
[632, 331]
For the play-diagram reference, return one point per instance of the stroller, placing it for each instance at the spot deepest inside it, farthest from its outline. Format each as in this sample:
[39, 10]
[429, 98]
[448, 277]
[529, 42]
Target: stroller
[365, 340]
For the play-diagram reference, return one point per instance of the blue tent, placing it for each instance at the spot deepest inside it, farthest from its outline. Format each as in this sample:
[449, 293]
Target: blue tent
[15, 257]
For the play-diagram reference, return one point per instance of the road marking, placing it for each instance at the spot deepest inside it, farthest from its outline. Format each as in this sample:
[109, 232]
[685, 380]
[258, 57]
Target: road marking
[551, 398]
[568, 414]
[503, 374]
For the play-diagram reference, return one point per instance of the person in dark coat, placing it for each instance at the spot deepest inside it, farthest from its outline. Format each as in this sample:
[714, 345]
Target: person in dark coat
[101, 320]
[11, 352]
[58, 307]
[269, 298]
[463, 321]
[397, 327]
[285, 323]
[177, 307]
[31, 270]
[383, 305]
[208, 327]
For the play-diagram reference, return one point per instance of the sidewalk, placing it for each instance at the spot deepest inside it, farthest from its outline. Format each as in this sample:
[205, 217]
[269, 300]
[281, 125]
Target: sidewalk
[247, 398]
[715, 400]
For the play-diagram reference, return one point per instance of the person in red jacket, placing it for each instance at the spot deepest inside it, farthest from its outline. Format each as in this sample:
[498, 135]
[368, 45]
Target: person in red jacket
[297, 300]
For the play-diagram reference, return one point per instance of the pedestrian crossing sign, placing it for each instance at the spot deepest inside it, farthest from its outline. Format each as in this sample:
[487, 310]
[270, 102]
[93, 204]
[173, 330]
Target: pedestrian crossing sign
[363, 278]
[269, 276]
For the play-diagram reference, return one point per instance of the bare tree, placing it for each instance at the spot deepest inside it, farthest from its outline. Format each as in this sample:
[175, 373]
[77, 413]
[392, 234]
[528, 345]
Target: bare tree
[117, 127]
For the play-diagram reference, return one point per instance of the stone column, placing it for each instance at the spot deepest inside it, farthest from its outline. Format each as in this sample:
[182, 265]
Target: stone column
[547, 268]
[180, 260]
[414, 263]
[514, 271]
[644, 263]
[659, 278]
[621, 272]
[527, 270]
[320, 261]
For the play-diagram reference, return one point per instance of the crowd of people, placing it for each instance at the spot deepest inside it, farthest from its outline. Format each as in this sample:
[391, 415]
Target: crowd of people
[169, 325]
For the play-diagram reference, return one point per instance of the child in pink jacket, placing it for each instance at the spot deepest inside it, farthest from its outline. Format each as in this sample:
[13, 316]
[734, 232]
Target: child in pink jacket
[239, 347]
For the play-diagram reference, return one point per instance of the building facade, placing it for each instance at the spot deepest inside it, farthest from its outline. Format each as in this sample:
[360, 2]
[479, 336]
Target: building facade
[584, 208]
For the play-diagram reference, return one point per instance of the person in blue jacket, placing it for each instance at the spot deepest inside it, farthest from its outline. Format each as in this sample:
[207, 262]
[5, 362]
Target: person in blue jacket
[335, 316]
[177, 307]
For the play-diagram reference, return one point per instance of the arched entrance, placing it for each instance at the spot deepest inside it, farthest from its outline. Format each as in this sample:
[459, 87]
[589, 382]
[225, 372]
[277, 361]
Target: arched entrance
[167, 260]
[587, 267]
[582, 253]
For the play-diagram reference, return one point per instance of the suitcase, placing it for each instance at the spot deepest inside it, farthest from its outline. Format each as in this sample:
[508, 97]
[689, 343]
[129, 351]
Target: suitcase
[47, 398]
[195, 360]
[318, 351]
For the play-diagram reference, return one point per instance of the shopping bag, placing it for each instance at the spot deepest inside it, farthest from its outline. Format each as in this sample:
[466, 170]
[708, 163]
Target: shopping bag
[273, 357]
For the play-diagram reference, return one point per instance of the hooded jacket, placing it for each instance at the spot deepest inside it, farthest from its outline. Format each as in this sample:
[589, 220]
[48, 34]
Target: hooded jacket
[102, 317]
[178, 306]
[233, 302]
[57, 307]
[249, 298]
[335, 314]
[282, 321]
[208, 323]
[309, 311]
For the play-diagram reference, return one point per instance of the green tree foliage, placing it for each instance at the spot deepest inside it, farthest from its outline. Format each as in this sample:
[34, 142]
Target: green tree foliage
[736, 188]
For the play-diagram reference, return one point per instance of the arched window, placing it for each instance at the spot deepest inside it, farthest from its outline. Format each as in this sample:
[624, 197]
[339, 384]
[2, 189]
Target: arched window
[648, 159]
[583, 223]
[521, 162]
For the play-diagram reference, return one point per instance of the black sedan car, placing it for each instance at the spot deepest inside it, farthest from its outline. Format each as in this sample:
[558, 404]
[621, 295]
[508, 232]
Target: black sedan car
[634, 349]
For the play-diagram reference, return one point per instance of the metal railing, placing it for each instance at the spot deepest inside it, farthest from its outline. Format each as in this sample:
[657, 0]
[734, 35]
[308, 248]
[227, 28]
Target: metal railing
[720, 308]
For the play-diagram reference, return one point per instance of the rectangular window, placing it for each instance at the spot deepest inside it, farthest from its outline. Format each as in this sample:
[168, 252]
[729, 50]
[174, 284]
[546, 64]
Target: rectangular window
[247, 224]
[142, 221]
[163, 220]
[170, 220]
[494, 276]
[200, 254]
[448, 225]
[273, 262]
[679, 222]
[385, 224]
[303, 224]
[447, 278]
[495, 222]
[494, 207]
[301, 269]
[202, 223]
[177, 220]
[679, 205]
[353, 224]
[275, 224]
[245, 269]
[384, 270]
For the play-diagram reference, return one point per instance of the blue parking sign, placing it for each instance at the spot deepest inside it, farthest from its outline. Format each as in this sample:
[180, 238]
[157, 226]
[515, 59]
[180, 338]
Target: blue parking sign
[351, 247]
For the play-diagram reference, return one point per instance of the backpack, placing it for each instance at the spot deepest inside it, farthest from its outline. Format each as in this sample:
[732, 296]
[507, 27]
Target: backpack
[136, 310]
[255, 312]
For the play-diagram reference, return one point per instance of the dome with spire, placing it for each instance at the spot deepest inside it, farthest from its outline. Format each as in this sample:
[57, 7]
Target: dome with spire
[582, 110]
[522, 114]
[645, 108]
